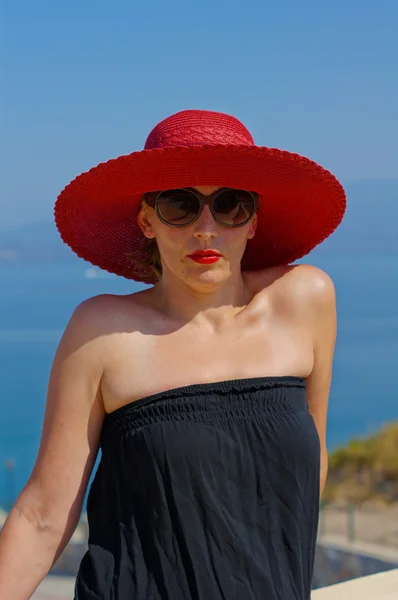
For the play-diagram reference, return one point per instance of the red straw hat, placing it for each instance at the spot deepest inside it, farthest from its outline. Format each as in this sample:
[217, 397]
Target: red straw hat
[301, 203]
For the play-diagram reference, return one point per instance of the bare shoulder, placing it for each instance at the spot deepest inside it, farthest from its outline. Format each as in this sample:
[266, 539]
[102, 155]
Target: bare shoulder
[310, 295]
[307, 282]
[92, 310]
[84, 328]
[85, 339]
[104, 312]
[302, 285]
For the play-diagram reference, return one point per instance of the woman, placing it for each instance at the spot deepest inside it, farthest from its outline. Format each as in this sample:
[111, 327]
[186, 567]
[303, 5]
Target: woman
[207, 392]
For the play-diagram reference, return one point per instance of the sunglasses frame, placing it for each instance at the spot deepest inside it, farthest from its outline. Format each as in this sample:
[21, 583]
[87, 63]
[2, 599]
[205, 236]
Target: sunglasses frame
[152, 199]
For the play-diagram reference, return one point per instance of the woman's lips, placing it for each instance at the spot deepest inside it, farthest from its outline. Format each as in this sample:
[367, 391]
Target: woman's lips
[205, 258]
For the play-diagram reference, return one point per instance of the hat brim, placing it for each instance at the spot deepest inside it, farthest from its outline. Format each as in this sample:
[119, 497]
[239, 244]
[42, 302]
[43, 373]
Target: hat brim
[301, 203]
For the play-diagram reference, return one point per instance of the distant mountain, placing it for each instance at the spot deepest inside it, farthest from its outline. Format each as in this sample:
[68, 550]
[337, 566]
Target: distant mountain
[370, 224]
[32, 233]
[34, 241]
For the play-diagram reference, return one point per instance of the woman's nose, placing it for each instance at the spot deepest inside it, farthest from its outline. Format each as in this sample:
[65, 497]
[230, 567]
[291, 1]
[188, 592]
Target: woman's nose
[205, 226]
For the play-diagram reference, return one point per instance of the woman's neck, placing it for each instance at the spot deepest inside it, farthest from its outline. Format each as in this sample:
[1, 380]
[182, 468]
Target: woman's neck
[209, 307]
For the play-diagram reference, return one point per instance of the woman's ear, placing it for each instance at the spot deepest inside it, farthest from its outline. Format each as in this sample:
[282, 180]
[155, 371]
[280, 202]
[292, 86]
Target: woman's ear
[253, 227]
[144, 221]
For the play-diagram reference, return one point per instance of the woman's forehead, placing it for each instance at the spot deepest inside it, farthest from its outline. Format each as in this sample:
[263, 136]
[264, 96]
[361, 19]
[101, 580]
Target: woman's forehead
[205, 190]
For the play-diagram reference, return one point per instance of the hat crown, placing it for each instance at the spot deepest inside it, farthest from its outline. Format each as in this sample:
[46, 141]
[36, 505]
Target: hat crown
[198, 128]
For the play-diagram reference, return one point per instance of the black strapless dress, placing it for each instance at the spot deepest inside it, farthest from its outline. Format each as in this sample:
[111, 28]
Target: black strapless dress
[206, 492]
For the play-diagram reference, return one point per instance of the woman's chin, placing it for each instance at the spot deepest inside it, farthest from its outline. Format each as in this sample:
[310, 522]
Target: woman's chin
[208, 275]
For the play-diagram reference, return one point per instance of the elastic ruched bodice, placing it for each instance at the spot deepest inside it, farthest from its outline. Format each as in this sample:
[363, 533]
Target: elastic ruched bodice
[206, 492]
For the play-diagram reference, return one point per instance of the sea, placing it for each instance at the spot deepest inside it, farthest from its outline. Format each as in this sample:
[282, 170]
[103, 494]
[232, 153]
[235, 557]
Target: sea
[37, 299]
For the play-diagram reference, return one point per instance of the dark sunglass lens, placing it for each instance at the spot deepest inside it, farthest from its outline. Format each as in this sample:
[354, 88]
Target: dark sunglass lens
[177, 207]
[234, 207]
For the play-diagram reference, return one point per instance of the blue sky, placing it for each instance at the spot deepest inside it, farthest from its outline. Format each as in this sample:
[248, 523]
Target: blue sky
[84, 81]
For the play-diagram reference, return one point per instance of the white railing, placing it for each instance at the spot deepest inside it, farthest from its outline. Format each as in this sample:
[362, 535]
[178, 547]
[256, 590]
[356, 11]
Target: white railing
[382, 586]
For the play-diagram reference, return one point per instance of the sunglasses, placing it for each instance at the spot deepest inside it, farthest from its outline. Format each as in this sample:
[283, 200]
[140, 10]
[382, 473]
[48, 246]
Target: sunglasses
[181, 207]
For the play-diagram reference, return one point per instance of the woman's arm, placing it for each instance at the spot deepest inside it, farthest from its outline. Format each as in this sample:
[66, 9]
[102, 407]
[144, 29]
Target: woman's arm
[323, 318]
[47, 511]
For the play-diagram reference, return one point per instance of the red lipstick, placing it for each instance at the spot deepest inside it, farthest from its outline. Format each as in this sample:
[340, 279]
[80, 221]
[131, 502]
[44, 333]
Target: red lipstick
[205, 257]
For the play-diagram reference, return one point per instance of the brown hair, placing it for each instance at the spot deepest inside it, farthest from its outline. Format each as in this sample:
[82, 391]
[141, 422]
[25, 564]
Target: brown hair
[151, 258]
[150, 255]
